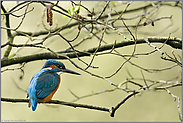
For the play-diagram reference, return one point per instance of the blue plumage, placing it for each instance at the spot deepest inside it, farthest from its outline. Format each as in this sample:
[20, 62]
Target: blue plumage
[51, 62]
[41, 85]
[44, 84]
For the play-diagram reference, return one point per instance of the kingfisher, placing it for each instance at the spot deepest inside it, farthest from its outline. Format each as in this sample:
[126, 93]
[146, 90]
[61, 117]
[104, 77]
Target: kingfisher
[45, 83]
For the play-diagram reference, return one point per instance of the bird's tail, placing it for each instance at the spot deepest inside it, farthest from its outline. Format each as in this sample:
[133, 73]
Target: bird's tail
[33, 102]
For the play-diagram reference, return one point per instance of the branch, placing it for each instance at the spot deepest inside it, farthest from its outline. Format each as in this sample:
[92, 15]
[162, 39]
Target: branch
[168, 86]
[178, 106]
[9, 34]
[75, 105]
[123, 101]
[103, 10]
[173, 42]
[92, 94]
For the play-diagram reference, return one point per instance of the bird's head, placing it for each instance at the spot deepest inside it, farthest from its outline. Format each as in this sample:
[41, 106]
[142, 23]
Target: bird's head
[57, 66]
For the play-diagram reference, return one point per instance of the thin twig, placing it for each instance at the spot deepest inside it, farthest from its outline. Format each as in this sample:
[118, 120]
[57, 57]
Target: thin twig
[178, 106]
[144, 79]
[98, 45]
[103, 10]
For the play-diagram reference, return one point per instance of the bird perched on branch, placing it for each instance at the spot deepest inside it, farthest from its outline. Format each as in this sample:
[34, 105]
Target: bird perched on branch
[45, 83]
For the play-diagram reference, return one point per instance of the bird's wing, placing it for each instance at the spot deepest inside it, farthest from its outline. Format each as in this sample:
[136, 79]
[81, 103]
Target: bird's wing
[46, 83]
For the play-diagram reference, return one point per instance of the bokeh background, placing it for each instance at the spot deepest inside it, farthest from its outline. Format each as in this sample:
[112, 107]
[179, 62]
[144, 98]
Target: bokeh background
[149, 106]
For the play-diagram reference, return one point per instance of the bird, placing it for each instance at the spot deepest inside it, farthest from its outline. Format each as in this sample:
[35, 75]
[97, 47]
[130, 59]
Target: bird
[45, 83]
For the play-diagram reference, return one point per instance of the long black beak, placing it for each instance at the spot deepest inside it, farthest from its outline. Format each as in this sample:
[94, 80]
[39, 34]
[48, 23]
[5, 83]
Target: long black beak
[70, 71]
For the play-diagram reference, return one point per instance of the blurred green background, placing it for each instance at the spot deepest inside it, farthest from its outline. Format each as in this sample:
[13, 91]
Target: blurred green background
[155, 106]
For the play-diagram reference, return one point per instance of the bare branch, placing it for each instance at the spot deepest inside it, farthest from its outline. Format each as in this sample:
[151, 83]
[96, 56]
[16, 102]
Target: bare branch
[113, 110]
[174, 42]
[75, 105]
